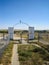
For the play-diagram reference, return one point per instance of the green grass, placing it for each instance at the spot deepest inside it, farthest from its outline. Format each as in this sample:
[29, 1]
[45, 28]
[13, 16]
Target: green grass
[46, 47]
[28, 55]
[7, 54]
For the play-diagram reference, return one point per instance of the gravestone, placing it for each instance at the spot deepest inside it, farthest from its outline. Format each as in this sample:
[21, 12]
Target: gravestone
[10, 32]
[31, 33]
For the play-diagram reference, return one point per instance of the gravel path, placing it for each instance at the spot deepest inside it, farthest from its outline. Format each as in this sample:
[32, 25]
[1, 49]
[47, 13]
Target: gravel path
[15, 60]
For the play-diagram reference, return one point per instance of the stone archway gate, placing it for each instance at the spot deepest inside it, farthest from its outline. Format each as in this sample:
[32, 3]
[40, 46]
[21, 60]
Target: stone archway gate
[30, 31]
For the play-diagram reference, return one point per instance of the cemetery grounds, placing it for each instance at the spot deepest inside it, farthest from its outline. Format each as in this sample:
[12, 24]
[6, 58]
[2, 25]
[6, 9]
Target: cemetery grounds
[29, 54]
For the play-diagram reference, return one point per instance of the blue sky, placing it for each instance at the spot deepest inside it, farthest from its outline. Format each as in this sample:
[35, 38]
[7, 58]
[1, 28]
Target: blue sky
[33, 12]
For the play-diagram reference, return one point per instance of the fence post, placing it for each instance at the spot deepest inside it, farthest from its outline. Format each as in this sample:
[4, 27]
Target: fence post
[38, 36]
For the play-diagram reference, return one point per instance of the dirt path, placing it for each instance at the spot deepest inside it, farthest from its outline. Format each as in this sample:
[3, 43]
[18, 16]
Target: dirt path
[15, 60]
[44, 42]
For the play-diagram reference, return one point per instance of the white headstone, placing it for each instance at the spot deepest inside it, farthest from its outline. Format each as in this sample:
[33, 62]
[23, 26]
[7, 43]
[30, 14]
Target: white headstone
[31, 32]
[10, 32]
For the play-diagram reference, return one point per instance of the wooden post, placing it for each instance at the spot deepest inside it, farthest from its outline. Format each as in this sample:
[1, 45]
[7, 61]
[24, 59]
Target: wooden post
[38, 36]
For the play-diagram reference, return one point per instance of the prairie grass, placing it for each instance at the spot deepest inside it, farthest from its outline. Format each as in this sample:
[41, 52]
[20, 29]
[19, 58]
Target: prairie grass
[27, 55]
[7, 54]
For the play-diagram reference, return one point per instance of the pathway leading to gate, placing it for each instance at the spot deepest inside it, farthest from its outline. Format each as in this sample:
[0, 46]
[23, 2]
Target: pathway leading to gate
[15, 60]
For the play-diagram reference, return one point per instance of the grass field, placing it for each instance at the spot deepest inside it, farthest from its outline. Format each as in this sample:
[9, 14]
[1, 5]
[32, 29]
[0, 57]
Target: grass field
[28, 54]
[7, 54]
[32, 55]
[46, 47]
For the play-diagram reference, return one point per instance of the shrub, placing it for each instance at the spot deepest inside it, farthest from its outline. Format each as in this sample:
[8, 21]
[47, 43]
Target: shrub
[39, 50]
